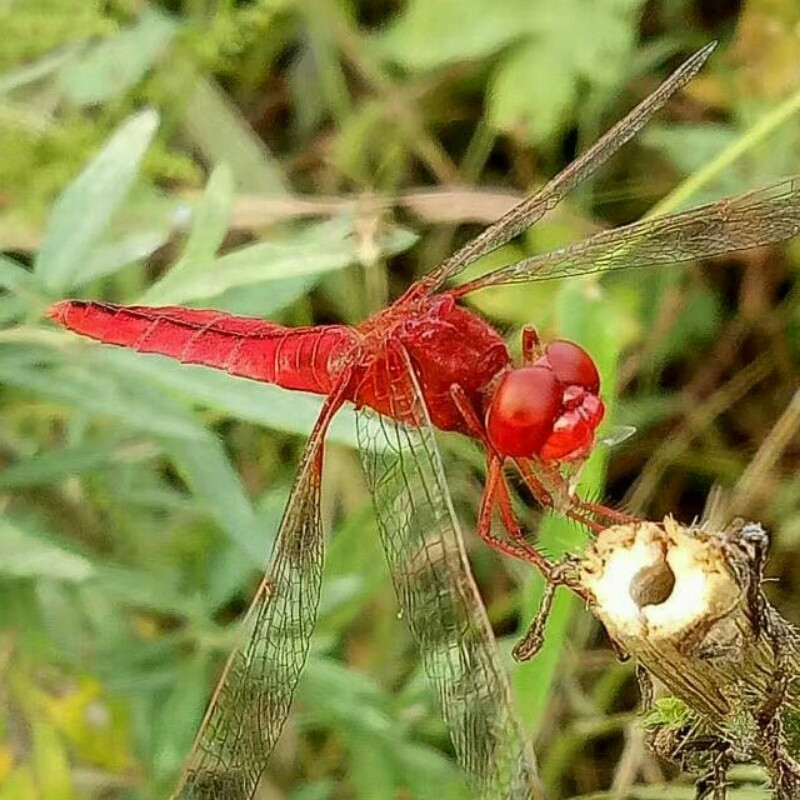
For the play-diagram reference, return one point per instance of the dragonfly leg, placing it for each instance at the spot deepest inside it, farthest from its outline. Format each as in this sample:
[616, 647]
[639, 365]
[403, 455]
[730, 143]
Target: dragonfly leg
[531, 643]
[516, 549]
[477, 430]
[556, 573]
[531, 344]
[475, 426]
[496, 493]
[594, 516]
[604, 513]
[540, 492]
[564, 502]
[561, 574]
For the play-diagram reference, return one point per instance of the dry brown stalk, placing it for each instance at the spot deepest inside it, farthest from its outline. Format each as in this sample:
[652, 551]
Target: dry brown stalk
[687, 604]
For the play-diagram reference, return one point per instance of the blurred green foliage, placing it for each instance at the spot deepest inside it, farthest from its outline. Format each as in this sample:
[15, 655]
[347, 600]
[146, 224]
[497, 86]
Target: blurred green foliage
[173, 152]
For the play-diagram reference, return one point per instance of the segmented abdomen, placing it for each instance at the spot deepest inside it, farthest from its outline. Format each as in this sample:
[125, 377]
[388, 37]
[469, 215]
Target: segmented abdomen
[294, 358]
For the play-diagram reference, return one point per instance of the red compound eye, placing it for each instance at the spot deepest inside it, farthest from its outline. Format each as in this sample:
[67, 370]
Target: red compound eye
[522, 412]
[572, 365]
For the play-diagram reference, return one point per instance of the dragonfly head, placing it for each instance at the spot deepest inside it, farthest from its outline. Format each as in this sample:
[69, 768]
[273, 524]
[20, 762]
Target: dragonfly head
[549, 409]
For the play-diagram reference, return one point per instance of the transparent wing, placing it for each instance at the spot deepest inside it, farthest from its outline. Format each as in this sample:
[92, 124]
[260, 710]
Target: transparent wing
[438, 596]
[761, 217]
[252, 699]
[547, 198]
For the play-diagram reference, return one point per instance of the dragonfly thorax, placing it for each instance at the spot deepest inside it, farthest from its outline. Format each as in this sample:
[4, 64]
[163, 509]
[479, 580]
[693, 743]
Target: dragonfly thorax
[548, 409]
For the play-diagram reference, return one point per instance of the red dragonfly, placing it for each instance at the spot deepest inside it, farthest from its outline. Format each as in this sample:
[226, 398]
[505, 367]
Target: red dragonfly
[425, 363]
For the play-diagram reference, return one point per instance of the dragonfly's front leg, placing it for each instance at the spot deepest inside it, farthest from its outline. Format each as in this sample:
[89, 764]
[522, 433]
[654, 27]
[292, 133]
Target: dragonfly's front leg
[531, 345]
[518, 547]
[531, 643]
[495, 492]
[560, 573]
[546, 480]
[496, 495]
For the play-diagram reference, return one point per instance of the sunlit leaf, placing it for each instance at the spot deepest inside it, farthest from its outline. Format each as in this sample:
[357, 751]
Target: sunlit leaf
[94, 724]
[84, 210]
[290, 411]
[24, 554]
[524, 104]
[320, 248]
[51, 764]
[19, 785]
[104, 394]
[211, 477]
[223, 135]
[6, 762]
[429, 35]
[104, 259]
[110, 67]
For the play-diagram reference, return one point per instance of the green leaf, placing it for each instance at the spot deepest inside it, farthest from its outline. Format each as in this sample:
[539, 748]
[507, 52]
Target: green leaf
[83, 211]
[370, 766]
[430, 35]
[524, 103]
[211, 218]
[316, 790]
[104, 259]
[210, 224]
[51, 764]
[691, 147]
[697, 324]
[176, 720]
[322, 247]
[535, 89]
[612, 29]
[224, 135]
[144, 590]
[15, 278]
[108, 69]
[54, 465]
[264, 404]
[264, 299]
[209, 474]
[23, 554]
[429, 774]
[106, 393]
[12, 309]
[35, 71]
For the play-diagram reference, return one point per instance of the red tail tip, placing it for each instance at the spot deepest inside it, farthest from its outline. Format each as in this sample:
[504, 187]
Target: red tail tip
[58, 311]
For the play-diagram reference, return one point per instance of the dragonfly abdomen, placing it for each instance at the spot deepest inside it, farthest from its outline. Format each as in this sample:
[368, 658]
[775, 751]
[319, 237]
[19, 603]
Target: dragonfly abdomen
[294, 358]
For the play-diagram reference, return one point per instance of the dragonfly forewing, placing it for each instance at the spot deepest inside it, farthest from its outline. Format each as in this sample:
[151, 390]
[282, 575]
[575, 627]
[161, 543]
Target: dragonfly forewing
[761, 217]
[549, 196]
[438, 596]
[254, 694]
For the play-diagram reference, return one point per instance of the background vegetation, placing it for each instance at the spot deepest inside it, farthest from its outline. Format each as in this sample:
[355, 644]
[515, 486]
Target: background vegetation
[304, 160]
